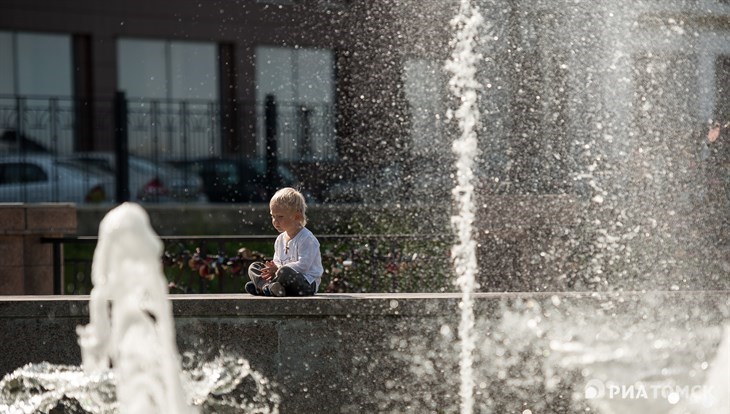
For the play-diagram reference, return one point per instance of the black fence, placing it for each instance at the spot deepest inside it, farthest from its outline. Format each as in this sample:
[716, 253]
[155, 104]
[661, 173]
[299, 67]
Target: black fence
[48, 147]
[218, 264]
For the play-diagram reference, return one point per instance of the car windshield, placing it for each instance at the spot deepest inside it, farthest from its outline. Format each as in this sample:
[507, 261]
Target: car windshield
[17, 173]
[102, 164]
[84, 167]
[285, 173]
[149, 166]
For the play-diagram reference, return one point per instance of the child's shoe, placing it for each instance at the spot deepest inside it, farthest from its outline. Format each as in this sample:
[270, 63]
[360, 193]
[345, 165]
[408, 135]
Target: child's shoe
[276, 289]
[251, 288]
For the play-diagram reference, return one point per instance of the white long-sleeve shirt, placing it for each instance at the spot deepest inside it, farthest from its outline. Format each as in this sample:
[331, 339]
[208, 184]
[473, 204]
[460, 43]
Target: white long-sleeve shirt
[301, 254]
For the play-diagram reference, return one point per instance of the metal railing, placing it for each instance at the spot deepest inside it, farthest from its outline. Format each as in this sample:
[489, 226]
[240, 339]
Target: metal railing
[218, 264]
[163, 132]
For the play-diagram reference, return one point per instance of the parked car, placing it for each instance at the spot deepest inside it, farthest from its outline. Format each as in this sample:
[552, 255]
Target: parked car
[43, 177]
[229, 180]
[149, 180]
[377, 185]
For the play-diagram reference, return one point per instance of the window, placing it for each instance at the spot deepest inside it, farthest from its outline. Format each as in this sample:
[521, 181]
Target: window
[302, 82]
[21, 173]
[229, 172]
[423, 83]
[172, 92]
[159, 69]
[35, 64]
[7, 60]
[37, 68]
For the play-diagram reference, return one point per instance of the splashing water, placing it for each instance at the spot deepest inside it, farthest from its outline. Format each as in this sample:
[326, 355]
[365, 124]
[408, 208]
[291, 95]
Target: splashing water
[464, 86]
[212, 385]
[130, 317]
[209, 384]
[44, 386]
[130, 359]
[545, 354]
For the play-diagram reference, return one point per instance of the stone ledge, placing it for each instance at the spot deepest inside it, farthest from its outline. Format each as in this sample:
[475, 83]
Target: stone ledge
[13, 218]
[337, 304]
[51, 218]
[38, 218]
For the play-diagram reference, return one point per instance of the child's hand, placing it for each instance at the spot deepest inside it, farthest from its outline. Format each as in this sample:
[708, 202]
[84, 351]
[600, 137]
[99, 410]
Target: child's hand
[269, 271]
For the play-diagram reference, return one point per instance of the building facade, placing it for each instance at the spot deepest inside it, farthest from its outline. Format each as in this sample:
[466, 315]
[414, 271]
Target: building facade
[361, 84]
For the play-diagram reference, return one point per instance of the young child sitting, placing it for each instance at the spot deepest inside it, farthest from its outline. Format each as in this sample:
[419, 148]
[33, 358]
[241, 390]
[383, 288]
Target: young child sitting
[296, 269]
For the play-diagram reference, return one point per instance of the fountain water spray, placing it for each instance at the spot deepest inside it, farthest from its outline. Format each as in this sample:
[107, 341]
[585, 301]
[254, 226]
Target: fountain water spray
[130, 358]
[463, 84]
[131, 327]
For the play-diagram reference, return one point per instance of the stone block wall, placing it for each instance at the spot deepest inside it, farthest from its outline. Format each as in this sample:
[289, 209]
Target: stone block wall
[26, 264]
[398, 353]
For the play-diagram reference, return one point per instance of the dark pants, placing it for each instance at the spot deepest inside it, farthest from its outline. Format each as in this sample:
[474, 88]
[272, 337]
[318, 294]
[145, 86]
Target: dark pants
[293, 282]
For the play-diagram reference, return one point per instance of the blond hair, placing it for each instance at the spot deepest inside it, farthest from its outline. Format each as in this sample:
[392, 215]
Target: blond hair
[291, 199]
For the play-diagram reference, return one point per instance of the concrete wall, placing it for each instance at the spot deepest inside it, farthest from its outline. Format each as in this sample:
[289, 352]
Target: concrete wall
[362, 353]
